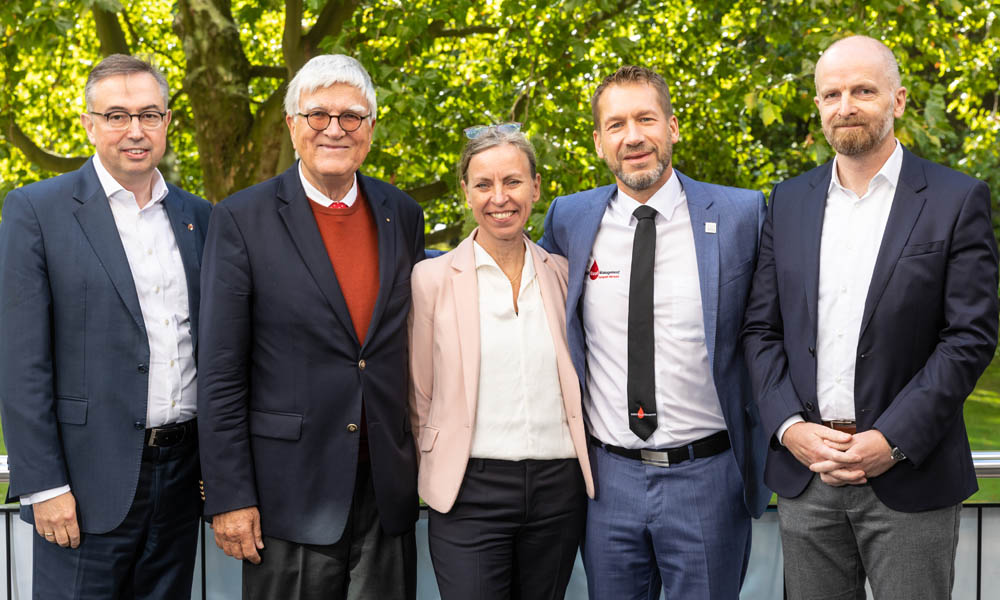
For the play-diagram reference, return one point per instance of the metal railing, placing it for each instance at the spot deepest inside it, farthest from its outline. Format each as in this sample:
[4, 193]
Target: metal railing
[987, 465]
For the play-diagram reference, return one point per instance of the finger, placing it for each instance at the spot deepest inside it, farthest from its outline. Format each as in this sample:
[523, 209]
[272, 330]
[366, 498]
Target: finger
[833, 435]
[249, 550]
[831, 481]
[825, 466]
[73, 531]
[257, 535]
[848, 476]
[837, 445]
[62, 538]
[828, 453]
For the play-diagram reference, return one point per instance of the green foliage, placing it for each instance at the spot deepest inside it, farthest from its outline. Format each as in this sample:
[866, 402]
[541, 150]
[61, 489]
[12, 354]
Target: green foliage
[740, 75]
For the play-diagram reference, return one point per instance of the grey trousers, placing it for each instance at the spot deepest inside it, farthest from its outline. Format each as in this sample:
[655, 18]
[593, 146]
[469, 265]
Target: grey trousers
[832, 538]
[364, 564]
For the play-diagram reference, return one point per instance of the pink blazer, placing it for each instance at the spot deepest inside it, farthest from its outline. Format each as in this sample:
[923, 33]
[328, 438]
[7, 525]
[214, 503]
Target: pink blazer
[444, 365]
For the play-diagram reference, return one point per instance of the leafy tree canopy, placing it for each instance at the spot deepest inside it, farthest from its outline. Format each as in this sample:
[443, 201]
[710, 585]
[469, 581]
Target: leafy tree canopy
[740, 74]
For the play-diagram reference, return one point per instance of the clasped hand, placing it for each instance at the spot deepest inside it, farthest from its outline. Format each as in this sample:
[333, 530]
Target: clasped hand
[840, 458]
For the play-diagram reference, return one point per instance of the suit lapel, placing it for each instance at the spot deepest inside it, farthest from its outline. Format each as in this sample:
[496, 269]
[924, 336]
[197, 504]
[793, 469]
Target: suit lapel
[813, 209]
[587, 223]
[706, 247]
[301, 224]
[385, 223]
[906, 207]
[98, 224]
[182, 224]
[465, 290]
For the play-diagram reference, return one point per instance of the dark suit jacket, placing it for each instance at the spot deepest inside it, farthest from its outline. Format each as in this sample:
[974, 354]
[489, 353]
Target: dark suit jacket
[725, 264]
[929, 328]
[73, 350]
[282, 374]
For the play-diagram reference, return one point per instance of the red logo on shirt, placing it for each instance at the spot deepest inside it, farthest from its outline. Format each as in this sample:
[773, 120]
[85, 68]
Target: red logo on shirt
[595, 272]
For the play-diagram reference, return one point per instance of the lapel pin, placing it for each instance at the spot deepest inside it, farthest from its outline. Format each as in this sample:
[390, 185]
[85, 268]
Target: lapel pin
[190, 227]
[387, 219]
[710, 227]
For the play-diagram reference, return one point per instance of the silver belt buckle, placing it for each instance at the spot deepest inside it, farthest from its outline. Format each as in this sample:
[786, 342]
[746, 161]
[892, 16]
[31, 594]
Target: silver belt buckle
[152, 437]
[655, 458]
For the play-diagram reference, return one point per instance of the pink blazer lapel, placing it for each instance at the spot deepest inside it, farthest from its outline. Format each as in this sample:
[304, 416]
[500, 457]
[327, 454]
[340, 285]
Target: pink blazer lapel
[464, 287]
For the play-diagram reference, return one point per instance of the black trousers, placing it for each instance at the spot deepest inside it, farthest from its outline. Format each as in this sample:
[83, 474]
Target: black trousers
[150, 556]
[513, 532]
[364, 564]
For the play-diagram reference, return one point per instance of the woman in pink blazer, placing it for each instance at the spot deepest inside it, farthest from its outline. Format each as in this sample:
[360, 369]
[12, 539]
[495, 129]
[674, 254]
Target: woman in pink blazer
[495, 401]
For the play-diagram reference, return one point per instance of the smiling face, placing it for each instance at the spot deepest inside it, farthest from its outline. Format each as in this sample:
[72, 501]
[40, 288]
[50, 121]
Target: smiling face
[130, 155]
[500, 191]
[635, 137]
[857, 100]
[330, 157]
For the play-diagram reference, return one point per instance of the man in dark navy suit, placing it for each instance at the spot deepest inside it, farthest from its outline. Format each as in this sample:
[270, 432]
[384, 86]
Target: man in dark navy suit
[99, 275]
[309, 463]
[872, 314]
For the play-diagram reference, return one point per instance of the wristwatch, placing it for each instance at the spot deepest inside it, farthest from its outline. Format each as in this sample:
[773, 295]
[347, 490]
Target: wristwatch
[897, 454]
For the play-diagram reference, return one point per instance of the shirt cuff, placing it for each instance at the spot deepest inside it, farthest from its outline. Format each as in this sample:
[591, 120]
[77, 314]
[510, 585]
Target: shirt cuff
[42, 496]
[792, 420]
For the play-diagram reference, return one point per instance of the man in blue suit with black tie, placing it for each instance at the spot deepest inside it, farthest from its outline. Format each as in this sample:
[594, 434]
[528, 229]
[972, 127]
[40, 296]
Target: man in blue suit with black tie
[310, 466]
[873, 313]
[99, 275]
[660, 268]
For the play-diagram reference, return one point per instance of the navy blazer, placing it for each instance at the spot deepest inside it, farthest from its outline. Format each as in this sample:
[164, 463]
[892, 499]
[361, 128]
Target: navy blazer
[282, 374]
[928, 329]
[726, 259]
[73, 349]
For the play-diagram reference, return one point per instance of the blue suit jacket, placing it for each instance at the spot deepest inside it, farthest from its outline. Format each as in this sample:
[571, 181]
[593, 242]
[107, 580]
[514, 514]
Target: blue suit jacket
[282, 373]
[725, 263]
[928, 330]
[73, 350]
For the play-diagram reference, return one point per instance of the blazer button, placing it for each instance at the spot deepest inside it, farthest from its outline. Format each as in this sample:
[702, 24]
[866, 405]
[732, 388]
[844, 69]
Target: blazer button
[361, 364]
[139, 425]
[809, 406]
[143, 368]
[352, 428]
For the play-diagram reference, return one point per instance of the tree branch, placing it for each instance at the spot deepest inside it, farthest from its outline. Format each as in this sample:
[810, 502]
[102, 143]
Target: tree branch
[426, 193]
[291, 38]
[43, 158]
[109, 32]
[330, 22]
[273, 72]
[467, 31]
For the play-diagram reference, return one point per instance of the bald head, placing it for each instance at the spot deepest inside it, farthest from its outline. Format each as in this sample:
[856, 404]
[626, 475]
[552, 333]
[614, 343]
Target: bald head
[862, 47]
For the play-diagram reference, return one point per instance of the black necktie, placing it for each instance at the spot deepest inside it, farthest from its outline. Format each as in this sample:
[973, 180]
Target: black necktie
[641, 350]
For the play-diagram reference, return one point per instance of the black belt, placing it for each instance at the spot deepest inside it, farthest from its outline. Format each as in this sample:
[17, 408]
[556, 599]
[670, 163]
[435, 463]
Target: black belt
[703, 448]
[171, 435]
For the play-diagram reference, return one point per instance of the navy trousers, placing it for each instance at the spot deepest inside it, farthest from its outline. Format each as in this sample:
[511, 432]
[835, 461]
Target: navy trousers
[150, 556]
[684, 528]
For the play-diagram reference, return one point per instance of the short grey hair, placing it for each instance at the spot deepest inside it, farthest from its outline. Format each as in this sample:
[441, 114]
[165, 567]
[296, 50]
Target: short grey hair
[325, 70]
[122, 64]
[492, 138]
[891, 65]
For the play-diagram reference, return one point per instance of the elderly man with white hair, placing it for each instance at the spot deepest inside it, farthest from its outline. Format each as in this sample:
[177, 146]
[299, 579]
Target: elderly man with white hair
[309, 463]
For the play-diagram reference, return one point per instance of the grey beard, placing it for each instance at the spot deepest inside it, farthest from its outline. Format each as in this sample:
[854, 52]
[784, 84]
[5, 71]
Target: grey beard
[642, 181]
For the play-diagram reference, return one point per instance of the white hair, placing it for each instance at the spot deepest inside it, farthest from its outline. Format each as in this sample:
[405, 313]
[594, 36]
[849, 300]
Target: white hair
[325, 70]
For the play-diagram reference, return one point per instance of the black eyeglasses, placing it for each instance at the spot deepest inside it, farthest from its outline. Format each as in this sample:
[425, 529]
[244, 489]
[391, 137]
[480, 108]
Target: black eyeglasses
[478, 130]
[320, 120]
[121, 119]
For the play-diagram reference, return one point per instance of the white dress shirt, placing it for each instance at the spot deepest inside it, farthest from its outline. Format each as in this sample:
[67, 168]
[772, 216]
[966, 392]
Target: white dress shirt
[161, 286]
[687, 403]
[520, 412]
[852, 235]
[313, 193]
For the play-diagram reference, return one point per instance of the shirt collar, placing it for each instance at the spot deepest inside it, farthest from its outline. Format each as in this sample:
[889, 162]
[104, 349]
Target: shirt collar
[889, 172]
[483, 259]
[114, 189]
[665, 200]
[322, 199]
